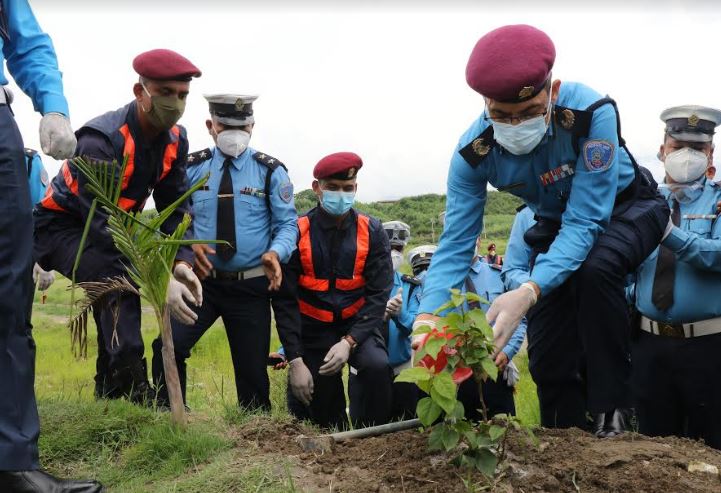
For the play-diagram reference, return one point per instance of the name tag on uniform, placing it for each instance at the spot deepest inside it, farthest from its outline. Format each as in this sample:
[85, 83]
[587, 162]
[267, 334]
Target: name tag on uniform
[556, 174]
[255, 192]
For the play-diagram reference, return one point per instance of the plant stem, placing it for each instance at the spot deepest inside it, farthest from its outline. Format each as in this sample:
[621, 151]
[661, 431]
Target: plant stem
[172, 380]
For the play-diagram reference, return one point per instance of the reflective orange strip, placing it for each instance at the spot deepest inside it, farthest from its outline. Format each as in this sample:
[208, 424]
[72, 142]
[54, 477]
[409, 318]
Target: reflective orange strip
[313, 312]
[71, 182]
[171, 153]
[350, 284]
[126, 204]
[361, 254]
[353, 309]
[304, 246]
[49, 202]
[129, 151]
[313, 283]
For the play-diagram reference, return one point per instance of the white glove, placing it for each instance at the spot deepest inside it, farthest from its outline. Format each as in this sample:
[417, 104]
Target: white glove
[511, 374]
[393, 307]
[56, 136]
[176, 295]
[185, 274]
[301, 381]
[667, 231]
[42, 277]
[336, 358]
[507, 311]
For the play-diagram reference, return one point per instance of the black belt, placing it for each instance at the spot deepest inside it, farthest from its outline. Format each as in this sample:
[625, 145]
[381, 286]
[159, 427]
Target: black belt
[223, 275]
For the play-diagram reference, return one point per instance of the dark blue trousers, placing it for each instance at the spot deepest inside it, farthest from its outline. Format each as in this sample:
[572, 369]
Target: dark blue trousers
[19, 424]
[244, 307]
[579, 333]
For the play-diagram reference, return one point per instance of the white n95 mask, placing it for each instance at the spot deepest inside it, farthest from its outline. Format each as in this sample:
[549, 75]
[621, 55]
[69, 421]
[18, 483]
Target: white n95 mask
[233, 142]
[685, 165]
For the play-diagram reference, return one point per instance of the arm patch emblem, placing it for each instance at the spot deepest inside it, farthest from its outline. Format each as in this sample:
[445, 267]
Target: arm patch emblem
[598, 155]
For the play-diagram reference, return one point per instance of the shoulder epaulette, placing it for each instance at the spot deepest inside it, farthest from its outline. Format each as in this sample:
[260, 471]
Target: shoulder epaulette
[577, 122]
[268, 161]
[521, 207]
[477, 150]
[411, 279]
[30, 152]
[197, 157]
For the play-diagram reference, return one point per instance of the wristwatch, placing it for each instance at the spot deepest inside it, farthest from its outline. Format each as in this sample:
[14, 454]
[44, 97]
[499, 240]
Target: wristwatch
[351, 342]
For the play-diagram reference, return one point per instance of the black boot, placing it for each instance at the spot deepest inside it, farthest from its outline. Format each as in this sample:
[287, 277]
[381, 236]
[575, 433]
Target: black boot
[131, 381]
[613, 423]
[39, 481]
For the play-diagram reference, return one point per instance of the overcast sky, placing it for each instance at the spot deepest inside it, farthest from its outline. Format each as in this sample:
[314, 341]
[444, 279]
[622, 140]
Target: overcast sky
[386, 82]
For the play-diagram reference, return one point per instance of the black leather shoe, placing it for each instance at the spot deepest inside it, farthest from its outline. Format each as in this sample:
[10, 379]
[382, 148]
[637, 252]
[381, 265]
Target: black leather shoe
[599, 422]
[615, 423]
[39, 481]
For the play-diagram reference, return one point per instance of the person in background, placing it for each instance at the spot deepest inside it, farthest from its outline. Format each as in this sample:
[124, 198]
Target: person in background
[676, 369]
[492, 258]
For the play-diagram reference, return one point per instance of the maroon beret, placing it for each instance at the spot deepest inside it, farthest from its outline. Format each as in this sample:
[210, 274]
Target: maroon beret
[338, 166]
[163, 64]
[511, 64]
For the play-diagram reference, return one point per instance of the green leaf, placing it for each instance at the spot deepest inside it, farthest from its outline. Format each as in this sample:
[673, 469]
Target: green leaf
[452, 320]
[490, 368]
[425, 386]
[414, 375]
[427, 411]
[445, 306]
[457, 299]
[450, 438]
[458, 412]
[496, 432]
[435, 439]
[422, 329]
[443, 392]
[486, 462]
[434, 345]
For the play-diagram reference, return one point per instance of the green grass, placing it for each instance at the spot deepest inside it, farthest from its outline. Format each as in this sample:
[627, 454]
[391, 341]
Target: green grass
[133, 449]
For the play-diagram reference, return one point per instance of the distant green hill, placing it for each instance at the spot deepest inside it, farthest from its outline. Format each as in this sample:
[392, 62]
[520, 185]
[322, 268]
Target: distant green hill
[421, 214]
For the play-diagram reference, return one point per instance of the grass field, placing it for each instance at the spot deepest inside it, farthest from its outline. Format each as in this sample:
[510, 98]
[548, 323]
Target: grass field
[133, 449]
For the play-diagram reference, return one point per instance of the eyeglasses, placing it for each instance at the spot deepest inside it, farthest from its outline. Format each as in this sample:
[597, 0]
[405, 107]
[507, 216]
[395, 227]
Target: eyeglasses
[518, 119]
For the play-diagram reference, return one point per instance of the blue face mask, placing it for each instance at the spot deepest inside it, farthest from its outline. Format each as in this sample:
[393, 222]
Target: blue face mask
[337, 203]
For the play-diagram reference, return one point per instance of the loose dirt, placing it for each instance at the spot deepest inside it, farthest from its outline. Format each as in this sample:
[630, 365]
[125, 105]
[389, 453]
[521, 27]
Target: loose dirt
[565, 461]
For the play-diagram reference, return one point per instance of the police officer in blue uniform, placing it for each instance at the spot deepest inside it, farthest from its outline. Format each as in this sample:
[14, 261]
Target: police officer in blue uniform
[558, 147]
[145, 132]
[248, 203]
[31, 60]
[343, 273]
[676, 365]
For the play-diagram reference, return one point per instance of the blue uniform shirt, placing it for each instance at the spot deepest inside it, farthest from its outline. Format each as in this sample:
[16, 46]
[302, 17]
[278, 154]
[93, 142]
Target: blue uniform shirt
[487, 283]
[31, 59]
[37, 176]
[401, 327]
[554, 180]
[697, 243]
[518, 254]
[257, 230]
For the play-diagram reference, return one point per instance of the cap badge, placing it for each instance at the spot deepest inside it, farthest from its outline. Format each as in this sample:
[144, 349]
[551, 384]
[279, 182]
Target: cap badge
[351, 173]
[568, 118]
[479, 147]
[239, 104]
[693, 120]
[526, 92]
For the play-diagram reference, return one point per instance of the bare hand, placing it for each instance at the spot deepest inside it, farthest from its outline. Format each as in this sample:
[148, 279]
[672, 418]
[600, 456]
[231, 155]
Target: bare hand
[279, 366]
[271, 266]
[501, 361]
[202, 265]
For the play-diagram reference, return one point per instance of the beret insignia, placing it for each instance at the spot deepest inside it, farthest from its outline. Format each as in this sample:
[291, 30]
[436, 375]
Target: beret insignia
[526, 92]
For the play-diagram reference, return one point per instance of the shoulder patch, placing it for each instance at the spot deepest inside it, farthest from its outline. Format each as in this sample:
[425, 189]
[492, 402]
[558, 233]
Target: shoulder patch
[268, 161]
[411, 279]
[577, 122]
[476, 150]
[44, 178]
[197, 157]
[286, 191]
[598, 155]
[30, 152]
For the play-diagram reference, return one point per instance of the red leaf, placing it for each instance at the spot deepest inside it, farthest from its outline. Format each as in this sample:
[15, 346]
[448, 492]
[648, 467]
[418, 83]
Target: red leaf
[461, 374]
[441, 362]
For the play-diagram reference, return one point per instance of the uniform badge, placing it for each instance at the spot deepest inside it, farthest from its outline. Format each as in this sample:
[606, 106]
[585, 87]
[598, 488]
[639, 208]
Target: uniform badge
[526, 92]
[568, 118]
[351, 173]
[693, 120]
[286, 192]
[239, 104]
[44, 179]
[479, 147]
[598, 155]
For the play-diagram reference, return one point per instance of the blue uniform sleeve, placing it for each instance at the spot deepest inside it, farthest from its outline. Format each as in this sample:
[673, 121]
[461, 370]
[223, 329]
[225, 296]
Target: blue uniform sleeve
[465, 202]
[284, 217]
[518, 254]
[589, 208]
[514, 344]
[404, 320]
[702, 253]
[31, 59]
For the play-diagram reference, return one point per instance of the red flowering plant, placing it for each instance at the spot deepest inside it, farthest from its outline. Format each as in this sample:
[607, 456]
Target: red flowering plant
[458, 348]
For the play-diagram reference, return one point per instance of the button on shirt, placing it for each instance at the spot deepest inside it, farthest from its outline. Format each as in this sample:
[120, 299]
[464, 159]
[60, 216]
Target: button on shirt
[257, 230]
[697, 243]
[516, 268]
[488, 285]
[581, 195]
[31, 59]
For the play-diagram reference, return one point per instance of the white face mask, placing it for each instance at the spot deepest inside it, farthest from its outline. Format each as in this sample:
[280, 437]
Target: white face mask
[685, 165]
[397, 259]
[233, 142]
[522, 138]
